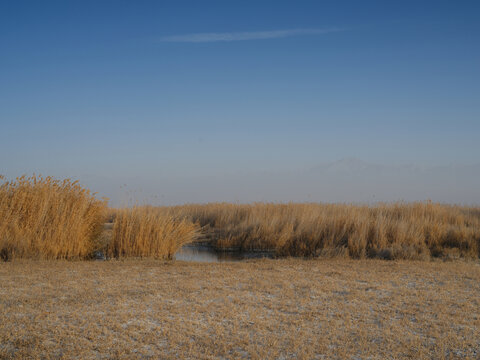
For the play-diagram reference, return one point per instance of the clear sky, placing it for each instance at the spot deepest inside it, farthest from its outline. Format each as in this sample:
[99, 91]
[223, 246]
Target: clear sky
[147, 93]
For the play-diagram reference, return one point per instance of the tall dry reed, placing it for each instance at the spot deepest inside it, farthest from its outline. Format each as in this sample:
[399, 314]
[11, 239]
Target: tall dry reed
[398, 230]
[48, 219]
[147, 232]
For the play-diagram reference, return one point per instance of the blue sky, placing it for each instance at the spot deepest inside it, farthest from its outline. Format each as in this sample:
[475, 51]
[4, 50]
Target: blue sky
[116, 92]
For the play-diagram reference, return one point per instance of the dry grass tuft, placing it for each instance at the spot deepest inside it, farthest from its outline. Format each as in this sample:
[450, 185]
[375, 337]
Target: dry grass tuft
[48, 219]
[146, 232]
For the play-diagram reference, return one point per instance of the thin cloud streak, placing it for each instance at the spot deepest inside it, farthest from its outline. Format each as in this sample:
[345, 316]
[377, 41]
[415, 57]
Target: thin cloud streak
[248, 35]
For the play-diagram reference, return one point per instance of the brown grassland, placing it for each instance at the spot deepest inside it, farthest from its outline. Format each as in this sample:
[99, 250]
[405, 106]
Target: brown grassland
[325, 305]
[263, 309]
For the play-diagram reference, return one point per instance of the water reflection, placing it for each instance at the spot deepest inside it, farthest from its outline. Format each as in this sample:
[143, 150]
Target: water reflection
[203, 253]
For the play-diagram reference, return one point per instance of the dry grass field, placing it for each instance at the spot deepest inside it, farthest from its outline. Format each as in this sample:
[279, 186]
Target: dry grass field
[332, 307]
[266, 309]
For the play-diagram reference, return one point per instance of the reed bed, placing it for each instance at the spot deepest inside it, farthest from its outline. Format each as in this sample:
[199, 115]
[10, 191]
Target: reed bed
[46, 218]
[147, 232]
[390, 231]
[51, 219]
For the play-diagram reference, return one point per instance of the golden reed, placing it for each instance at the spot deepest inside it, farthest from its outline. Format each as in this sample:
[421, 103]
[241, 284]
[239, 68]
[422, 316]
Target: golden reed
[45, 218]
[392, 231]
[144, 231]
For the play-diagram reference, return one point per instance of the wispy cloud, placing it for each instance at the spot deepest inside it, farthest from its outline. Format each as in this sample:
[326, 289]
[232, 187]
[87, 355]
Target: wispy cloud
[247, 35]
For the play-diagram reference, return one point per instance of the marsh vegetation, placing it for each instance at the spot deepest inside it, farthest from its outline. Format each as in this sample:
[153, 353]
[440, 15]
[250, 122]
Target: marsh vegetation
[44, 218]
[391, 231]
[139, 307]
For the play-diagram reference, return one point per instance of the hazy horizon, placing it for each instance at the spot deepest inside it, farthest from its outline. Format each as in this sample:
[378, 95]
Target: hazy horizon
[181, 102]
[348, 180]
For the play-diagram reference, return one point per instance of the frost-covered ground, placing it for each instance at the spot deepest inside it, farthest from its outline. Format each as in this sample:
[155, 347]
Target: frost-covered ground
[345, 309]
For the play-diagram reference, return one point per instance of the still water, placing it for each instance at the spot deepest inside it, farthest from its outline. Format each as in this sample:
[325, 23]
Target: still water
[203, 253]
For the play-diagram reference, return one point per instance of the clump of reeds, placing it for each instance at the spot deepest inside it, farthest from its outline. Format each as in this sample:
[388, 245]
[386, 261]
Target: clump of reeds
[144, 231]
[390, 231]
[46, 218]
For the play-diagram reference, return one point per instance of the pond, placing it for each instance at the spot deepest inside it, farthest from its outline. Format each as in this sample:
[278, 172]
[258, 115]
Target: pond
[205, 253]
